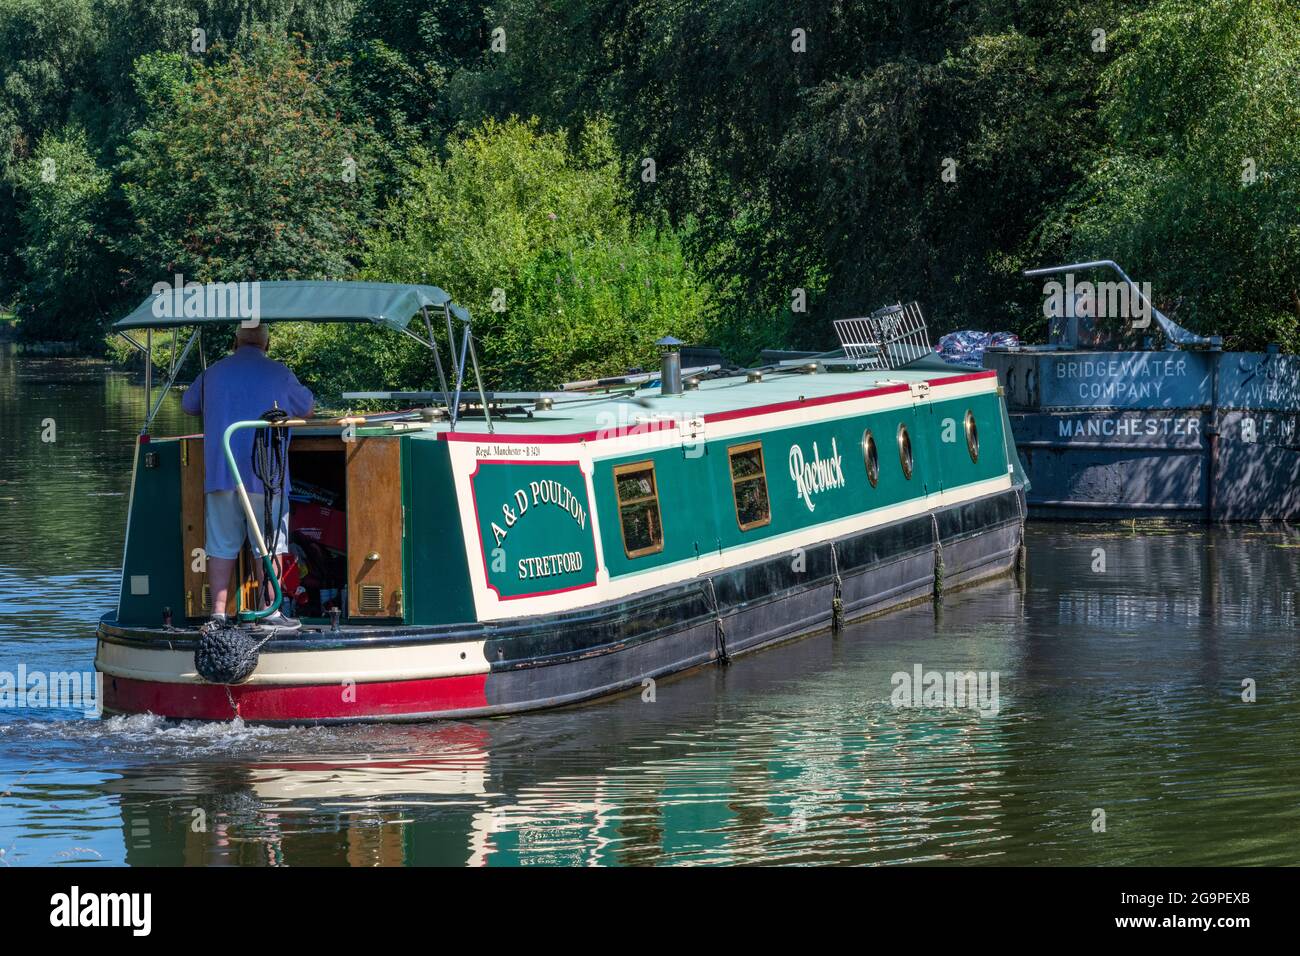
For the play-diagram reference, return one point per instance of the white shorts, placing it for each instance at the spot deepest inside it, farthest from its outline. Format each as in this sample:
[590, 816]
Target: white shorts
[226, 525]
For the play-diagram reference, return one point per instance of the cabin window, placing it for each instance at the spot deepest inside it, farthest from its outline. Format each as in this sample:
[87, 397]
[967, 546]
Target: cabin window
[905, 451]
[972, 436]
[638, 509]
[870, 457]
[749, 485]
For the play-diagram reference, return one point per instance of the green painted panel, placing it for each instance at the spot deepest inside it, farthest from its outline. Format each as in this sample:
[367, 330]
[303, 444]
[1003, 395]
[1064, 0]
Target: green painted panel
[686, 504]
[816, 473]
[436, 583]
[534, 524]
[154, 563]
[948, 434]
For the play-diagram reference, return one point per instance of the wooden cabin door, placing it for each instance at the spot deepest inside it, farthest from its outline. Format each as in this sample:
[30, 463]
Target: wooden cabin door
[192, 529]
[198, 598]
[374, 525]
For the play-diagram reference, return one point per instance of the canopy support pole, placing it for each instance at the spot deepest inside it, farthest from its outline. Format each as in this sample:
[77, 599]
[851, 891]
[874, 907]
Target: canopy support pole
[132, 342]
[460, 374]
[171, 377]
[478, 379]
[148, 379]
[454, 410]
[437, 355]
[467, 351]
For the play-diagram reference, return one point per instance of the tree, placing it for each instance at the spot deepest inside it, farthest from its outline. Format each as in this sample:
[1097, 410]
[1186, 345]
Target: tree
[805, 144]
[65, 251]
[1198, 186]
[537, 240]
[401, 55]
[70, 64]
[243, 170]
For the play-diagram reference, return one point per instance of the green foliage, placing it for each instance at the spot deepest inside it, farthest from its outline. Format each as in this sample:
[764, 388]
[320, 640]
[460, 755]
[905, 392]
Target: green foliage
[536, 240]
[1198, 191]
[402, 54]
[70, 64]
[44, 45]
[820, 169]
[241, 170]
[65, 251]
[776, 170]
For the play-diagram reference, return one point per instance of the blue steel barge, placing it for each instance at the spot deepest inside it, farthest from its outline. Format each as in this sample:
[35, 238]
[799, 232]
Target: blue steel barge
[1187, 432]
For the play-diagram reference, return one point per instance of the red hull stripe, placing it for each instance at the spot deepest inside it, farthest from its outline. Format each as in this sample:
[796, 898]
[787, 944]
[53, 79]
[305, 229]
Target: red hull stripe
[296, 702]
[955, 379]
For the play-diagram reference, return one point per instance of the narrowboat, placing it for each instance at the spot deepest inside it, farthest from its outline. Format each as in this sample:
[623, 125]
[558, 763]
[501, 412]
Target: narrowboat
[482, 553]
[1185, 432]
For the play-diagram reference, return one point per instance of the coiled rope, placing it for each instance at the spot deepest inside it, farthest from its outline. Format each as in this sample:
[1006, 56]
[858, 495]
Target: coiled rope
[270, 465]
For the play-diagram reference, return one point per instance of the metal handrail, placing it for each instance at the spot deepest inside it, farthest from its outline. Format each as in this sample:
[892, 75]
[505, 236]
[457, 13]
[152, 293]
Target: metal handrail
[268, 562]
[1175, 332]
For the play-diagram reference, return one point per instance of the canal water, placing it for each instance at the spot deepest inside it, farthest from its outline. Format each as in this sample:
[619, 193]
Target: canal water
[1120, 736]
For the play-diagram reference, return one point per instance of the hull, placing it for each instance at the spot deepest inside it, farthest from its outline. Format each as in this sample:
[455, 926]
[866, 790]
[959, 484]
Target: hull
[370, 673]
[1199, 436]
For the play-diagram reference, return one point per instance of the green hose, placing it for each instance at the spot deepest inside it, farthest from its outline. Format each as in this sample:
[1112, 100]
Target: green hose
[267, 561]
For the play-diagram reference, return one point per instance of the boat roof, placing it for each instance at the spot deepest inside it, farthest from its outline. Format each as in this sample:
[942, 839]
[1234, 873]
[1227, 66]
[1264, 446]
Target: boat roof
[716, 399]
[389, 304]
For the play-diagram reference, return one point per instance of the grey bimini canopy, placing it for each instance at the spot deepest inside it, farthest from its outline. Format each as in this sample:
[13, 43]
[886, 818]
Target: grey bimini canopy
[392, 305]
[384, 303]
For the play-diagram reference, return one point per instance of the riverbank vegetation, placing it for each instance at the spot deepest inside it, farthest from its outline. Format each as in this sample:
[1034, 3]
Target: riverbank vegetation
[587, 175]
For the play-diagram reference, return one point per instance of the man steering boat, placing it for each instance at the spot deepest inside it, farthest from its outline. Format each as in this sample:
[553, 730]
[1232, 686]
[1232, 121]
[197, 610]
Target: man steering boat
[239, 387]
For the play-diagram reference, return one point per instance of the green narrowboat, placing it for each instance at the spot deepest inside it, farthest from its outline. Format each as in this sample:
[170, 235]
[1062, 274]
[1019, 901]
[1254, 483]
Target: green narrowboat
[499, 552]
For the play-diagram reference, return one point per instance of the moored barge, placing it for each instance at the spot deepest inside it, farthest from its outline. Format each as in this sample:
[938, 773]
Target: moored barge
[1188, 432]
[504, 552]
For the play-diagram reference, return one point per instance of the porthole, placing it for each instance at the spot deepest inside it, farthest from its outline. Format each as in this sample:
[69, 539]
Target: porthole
[870, 458]
[905, 451]
[972, 436]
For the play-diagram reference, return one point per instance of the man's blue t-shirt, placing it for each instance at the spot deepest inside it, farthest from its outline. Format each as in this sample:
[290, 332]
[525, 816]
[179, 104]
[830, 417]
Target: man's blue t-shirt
[241, 387]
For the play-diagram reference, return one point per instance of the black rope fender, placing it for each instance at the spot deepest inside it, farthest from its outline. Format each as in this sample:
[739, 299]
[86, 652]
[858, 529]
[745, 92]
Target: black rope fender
[227, 653]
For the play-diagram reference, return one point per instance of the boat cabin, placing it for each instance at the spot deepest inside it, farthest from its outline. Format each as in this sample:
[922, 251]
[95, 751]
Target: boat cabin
[526, 503]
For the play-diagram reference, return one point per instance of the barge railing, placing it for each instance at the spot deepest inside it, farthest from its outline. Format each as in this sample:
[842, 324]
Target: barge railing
[1176, 334]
